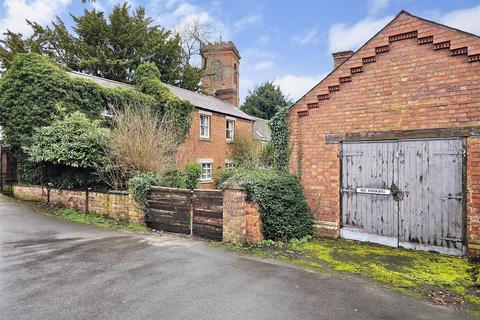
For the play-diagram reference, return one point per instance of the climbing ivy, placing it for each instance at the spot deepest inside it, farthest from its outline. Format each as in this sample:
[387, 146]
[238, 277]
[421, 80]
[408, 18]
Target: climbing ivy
[33, 88]
[280, 138]
[179, 112]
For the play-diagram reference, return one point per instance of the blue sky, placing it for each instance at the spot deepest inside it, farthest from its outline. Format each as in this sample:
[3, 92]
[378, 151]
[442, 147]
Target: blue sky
[289, 42]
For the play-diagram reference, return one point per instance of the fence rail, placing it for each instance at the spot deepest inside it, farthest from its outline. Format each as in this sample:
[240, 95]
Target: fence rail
[197, 212]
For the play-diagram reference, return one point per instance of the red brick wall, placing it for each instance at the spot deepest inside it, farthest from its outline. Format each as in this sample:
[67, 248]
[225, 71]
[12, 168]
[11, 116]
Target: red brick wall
[241, 219]
[216, 148]
[410, 86]
[473, 193]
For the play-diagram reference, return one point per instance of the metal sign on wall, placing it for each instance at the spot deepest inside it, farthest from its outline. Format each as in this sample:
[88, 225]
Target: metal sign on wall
[373, 191]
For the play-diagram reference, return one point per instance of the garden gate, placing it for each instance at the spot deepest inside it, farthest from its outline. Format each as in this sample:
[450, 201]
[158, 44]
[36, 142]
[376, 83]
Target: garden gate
[197, 212]
[405, 193]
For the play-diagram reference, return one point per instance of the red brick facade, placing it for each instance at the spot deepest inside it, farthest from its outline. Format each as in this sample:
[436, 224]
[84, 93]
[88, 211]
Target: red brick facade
[414, 74]
[216, 148]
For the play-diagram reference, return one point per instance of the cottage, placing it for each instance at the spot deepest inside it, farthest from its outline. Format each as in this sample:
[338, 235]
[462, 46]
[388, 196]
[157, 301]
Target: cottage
[387, 144]
[217, 119]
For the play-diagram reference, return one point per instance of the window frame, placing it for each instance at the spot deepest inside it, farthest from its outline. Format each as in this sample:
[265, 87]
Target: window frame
[207, 116]
[206, 176]
[232, 130]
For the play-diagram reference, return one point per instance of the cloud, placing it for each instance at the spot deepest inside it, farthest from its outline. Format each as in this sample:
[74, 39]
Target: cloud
[264, 65]
[246, 22]
[375, 6]
[350, 37]
[41, 11]
[309, 37]
[264, 39]
[296, 86]
[176, 13]
[465, 19]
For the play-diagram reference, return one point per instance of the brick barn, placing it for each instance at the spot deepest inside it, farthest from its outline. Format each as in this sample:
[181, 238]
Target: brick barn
[388, 144]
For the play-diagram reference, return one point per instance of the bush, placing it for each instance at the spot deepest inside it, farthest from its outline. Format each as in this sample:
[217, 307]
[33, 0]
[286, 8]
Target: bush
[192, 173]
[65, 153]
[186, 179]
[141, 141]
[284, 212]
[173, 179]
[140, 185]
[244, 153]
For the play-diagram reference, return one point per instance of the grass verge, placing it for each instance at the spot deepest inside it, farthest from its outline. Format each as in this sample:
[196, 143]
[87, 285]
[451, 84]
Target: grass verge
[441, 279]
[96, 220]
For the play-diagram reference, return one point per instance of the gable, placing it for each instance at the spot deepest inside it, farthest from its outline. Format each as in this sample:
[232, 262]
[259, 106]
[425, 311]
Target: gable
[437, 38]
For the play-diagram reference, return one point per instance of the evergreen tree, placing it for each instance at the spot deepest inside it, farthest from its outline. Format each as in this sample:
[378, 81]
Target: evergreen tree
[265, 101]
[111, 47]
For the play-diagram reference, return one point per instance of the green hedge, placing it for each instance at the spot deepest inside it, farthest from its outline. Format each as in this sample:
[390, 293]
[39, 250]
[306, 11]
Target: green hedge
[284, 212]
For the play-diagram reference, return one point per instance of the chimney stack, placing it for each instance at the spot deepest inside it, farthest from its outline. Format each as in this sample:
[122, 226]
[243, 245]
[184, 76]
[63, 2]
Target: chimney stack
[340, 57]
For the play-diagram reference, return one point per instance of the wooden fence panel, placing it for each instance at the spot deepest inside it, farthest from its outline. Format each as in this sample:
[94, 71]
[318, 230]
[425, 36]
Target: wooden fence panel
[208, 214]
[169, 210]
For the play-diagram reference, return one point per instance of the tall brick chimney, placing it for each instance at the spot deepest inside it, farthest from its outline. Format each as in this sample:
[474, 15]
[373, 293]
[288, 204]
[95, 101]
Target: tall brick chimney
[222, 63]
[340, 57]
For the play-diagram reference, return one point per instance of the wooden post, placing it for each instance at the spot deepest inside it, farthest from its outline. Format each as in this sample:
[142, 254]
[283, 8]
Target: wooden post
[192, 198]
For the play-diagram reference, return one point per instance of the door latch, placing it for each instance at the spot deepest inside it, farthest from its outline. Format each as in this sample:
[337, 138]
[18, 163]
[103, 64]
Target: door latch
[397, 194]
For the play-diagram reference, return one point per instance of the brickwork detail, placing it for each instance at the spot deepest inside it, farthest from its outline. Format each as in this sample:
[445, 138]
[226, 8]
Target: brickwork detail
[410, 87]
[241, 219]
[473, 194]
[117, 205]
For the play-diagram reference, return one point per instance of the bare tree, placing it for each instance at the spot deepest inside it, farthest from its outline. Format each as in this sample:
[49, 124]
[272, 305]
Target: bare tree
[140, 142]
[193, 34]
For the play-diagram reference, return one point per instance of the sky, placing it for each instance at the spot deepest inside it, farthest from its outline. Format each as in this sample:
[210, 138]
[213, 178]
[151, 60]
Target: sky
[288, 42]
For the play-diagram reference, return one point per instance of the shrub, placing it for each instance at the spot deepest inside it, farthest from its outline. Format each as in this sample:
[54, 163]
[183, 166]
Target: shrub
[266, 156]
[66, 153]
[173, 179]
[140, 185]
[192, 173]
[284, 212]
[244, 153]
[141, 142]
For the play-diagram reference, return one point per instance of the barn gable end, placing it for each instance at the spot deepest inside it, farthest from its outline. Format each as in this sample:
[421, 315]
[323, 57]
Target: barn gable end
[415, 79]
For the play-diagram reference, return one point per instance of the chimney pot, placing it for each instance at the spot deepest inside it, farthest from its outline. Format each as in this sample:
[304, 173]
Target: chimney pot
[340, 57]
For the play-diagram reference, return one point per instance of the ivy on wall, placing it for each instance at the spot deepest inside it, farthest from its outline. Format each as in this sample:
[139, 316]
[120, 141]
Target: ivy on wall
[35, 91]
[179, 112]
[280, 139]
[34, 86]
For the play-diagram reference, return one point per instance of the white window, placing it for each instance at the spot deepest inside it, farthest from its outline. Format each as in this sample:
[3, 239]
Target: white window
[230, 130]
[204, 126]
[207, 171]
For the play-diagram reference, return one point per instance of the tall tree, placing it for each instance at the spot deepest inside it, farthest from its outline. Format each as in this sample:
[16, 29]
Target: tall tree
[265, 101]
[111, 47]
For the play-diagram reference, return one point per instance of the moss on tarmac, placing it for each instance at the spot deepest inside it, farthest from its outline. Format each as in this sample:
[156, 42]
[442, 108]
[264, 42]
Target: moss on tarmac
[407, 271]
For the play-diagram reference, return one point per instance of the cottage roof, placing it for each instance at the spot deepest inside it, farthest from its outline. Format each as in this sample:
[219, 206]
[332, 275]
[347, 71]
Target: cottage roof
[261, 130]
[199, 100]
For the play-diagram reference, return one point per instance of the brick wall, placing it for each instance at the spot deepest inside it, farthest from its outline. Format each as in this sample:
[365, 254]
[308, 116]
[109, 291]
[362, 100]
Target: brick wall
[117, 205]
[412, 82]
[473, 193]
[216, 148]
[241, 219]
